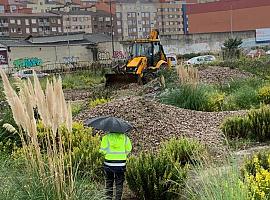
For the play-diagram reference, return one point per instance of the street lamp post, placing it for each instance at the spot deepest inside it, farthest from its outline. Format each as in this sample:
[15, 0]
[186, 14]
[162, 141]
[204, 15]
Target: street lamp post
[111, 16]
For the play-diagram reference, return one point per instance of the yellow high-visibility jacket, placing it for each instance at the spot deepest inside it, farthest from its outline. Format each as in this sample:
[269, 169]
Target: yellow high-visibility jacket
[116, 147]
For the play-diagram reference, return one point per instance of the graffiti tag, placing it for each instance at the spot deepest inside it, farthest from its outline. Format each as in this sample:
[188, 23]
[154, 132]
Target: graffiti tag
[103, 55]
[119, 55]
[71, 59]
[27, 62]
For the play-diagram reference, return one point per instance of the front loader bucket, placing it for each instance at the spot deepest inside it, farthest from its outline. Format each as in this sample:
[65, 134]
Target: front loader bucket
[120, 79]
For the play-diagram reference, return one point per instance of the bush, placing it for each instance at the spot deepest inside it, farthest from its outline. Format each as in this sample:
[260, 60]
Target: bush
[8, 140]
[96, 102]
[264, 94]
[256, 172]
[155, 177]
[84, 149]
[162, 175]
[243, 98]
[183, 150]
[254, 125]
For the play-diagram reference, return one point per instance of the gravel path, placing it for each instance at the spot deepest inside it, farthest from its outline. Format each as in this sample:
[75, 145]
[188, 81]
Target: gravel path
[155, 122]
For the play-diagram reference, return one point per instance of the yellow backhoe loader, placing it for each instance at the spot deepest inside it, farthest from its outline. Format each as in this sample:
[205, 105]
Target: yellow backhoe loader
[146, 58]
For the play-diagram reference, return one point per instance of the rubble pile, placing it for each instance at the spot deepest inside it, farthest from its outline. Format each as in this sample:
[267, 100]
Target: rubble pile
[155, 122]
[221, 75]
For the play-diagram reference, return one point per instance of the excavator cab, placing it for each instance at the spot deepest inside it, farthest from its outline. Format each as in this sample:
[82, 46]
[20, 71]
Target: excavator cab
[146, 57]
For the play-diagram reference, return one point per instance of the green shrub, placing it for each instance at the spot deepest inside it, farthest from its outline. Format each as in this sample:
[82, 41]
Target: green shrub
[76, 108]
[236, 127]
[254, 125]
[163, 175]
[264, 94]
[85, 150]
[243, 98]
[8, 140]
[96, 102]
[256, 174]
[183, 151]
[155, 177]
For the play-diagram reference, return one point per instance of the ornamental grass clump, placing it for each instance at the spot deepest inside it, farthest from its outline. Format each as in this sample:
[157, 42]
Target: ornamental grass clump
[55, 172]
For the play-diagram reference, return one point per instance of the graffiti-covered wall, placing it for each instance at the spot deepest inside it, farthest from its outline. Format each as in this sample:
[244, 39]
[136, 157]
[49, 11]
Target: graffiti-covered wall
[32, 56]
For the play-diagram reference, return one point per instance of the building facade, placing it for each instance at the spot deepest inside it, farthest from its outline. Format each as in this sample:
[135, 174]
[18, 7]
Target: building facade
[23, 25]
[228, 16]
[135, 20]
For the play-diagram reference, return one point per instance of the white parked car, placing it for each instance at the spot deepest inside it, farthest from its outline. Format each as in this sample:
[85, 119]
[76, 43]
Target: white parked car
[201, 60]
[268, 52]
[28, 73]
[173, 59]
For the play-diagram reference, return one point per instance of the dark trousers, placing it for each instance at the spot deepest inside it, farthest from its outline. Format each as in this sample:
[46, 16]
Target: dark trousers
[117, 175]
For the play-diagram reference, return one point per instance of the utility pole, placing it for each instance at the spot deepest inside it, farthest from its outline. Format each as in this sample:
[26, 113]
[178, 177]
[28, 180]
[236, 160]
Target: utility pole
[112, 28]
[231, 14]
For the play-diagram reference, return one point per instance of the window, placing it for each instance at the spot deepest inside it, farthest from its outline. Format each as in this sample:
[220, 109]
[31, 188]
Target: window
[12, 21]
[143, 29]
[81, 19]
[13, 30]
[129, 22]
[27, 30]
[74, 19]
[119, 23]
[147, 14]
[59, 21]
[53, 29]
[133, 14]
[167, 23]
[134, 22]
[18, 21]
[34, 30]
[143, 14]
[81, 27]
[67, 19]
[52, 20]
[134, 30]
[107, 19]
[100, 19]
[40, 29]
[34, 21]
[26, 21]
[19, 30]
[143, 22]
[147, 22]
[118, 15]
[119, 30]
[129, 14]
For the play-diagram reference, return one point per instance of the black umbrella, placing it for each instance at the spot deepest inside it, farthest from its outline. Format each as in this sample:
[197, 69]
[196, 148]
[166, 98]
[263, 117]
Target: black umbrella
[109, 124]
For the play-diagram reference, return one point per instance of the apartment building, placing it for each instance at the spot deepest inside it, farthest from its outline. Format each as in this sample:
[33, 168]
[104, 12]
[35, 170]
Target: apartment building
[170, 18]
[76, 21]
[23, 25]
[135, 20]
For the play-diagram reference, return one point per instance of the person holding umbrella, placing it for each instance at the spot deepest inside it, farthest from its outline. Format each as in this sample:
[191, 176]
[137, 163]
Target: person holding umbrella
[116, 146]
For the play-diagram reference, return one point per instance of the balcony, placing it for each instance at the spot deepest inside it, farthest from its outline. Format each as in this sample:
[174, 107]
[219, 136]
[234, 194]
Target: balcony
[41, 24]
[4, 34]
[2, 24]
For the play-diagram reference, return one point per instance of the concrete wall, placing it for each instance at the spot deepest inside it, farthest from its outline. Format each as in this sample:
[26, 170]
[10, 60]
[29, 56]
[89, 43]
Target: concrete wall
[195, 43]
[50, 54]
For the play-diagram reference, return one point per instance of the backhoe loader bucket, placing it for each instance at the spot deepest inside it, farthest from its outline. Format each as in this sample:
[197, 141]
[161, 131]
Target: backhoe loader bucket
[120, 79]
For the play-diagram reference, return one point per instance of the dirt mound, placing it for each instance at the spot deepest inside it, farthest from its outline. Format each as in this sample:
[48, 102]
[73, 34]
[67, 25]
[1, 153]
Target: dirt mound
[221, 75]
[155, 122]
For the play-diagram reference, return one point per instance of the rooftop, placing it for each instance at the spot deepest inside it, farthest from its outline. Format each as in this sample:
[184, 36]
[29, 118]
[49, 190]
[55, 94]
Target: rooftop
[28, 15]
[74, 39]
